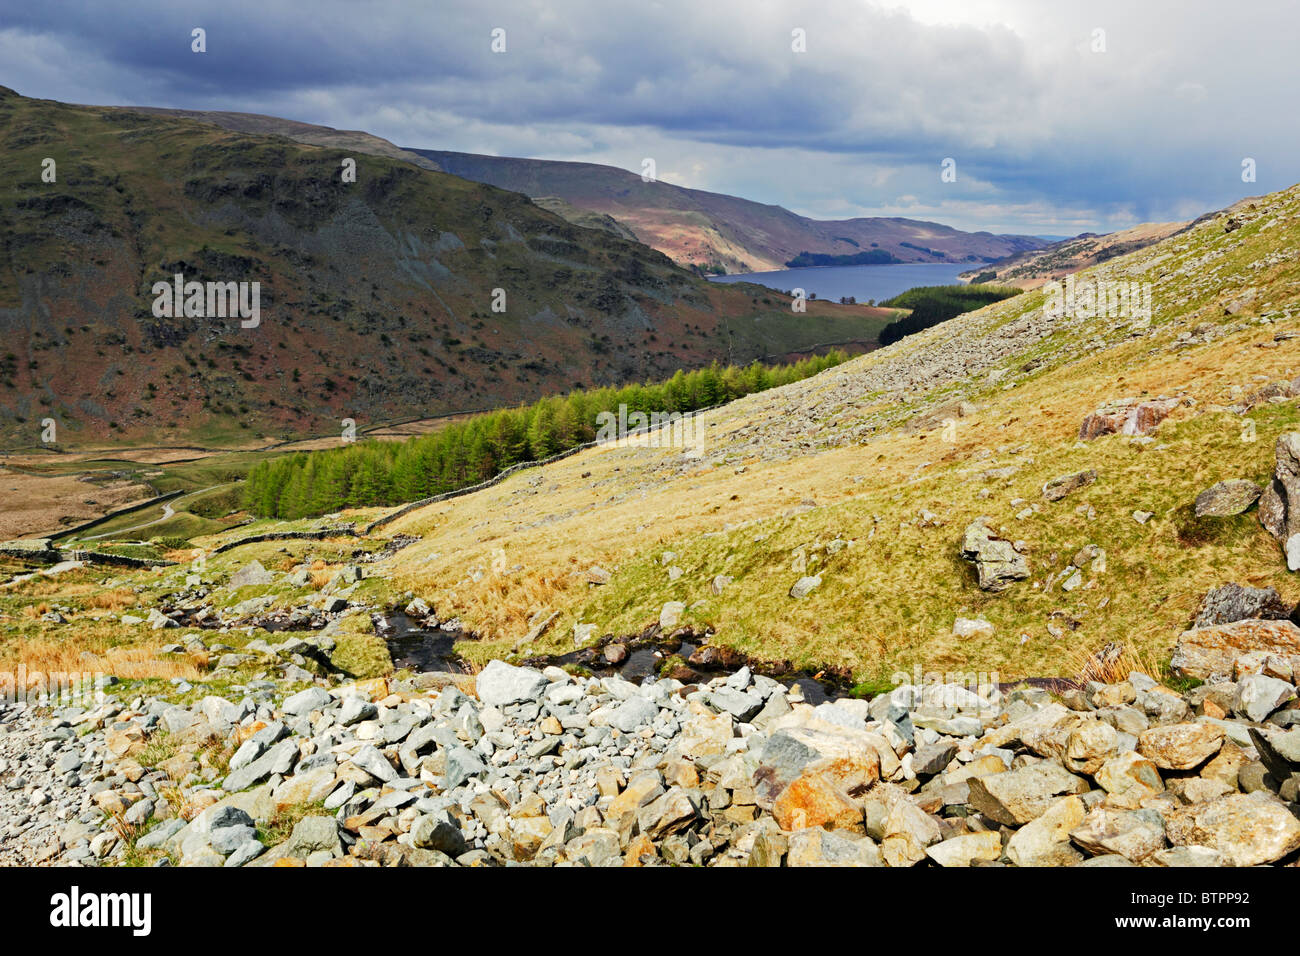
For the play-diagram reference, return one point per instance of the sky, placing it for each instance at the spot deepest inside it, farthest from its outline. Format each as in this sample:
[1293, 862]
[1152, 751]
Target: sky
[1058, 117]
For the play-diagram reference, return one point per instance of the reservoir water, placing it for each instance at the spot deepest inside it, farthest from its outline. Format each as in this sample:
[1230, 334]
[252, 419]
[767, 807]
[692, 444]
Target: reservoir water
[864, 282]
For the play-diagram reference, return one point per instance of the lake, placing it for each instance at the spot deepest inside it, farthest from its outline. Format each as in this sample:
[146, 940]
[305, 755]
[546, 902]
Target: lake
[864, 282]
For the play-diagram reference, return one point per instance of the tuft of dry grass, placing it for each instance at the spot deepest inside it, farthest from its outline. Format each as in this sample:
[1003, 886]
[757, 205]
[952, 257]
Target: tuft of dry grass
[92, 646]
[115, 600]
[215, 753]
[174, 796]
[128, 833]
[1113, 662]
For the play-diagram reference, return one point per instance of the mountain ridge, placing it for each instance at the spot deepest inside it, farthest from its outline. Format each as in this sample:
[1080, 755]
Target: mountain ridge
[707, 229]
[378, 297]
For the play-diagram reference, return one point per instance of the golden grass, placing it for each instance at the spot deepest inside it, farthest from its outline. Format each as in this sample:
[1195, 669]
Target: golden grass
[1113, 662]
[359, 651]
[174, 797]
[97, 647]
[114, 600]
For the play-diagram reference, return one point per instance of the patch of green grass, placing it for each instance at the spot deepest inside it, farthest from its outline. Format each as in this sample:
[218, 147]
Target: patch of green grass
[280, 827]
[161, 746]
[358, 650]
[1178, 682]
[871, 688]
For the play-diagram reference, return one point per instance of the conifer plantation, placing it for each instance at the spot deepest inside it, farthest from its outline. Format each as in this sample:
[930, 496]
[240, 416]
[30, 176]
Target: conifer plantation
[468, 452]
[932, 304]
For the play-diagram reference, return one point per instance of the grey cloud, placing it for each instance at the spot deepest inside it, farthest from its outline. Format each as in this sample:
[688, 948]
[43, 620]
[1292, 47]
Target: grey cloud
[1037, 122]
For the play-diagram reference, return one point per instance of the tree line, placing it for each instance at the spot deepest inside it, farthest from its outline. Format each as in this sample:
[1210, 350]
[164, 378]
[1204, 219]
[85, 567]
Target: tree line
[932, 304]
[465, 453]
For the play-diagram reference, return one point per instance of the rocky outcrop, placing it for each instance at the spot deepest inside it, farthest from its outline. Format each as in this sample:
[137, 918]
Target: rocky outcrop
[253, 573]
[1279, 505]
[1227, 498]
[1127, 416]
[998, 562]
[1058, 488]
[1229, 603]
[1211, 653]
[547, 768]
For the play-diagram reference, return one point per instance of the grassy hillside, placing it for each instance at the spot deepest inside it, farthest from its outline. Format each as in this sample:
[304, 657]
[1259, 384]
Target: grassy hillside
[309, 133]
[377, 297]
[1032, 268]
[727, 233]
[856, 475]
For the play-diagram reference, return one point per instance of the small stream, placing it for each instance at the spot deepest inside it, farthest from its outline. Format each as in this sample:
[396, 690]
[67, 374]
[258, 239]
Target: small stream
[418, 648]
[413, 647]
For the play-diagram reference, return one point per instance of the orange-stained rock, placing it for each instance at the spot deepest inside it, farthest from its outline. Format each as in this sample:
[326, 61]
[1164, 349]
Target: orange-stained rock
[310, 787]
[640, 846]
[1206, 652]
[1128, 779]
[908, 831]
[1210, 709]
[111, 802]
[1180, 746]
[125, 743]
[527, 835]
[373, 689]
[289, 861]
[681, 773]
[363, 819]
[640, 790]
[200, 801]
[1246, 828]
[817, 800]
[1127, 417]
[845, 756]
[243, 732]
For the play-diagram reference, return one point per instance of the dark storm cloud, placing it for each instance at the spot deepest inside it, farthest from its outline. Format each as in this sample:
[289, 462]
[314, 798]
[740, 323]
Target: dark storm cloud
[1044, 129]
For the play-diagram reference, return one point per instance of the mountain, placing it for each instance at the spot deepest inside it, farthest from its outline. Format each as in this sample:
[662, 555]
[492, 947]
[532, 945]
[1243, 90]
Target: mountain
[308, 133]
[724, 233]
[697, 229]
[1029, 521]
[850, 522]
[377, 297]
[1029, 270]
